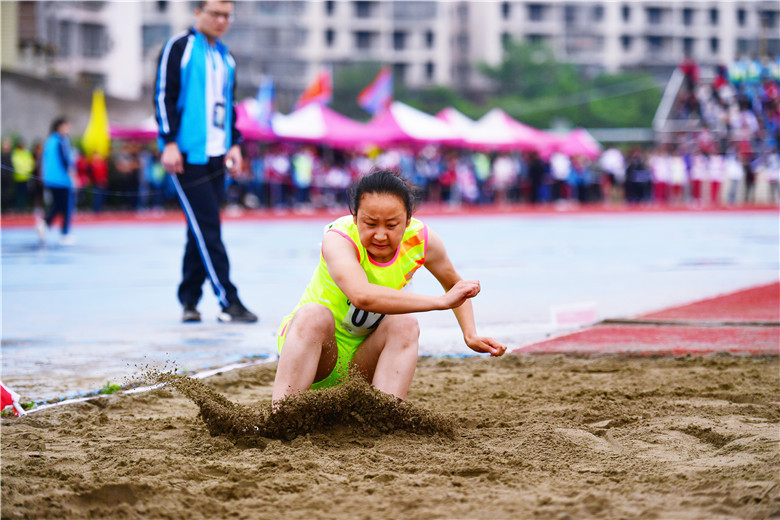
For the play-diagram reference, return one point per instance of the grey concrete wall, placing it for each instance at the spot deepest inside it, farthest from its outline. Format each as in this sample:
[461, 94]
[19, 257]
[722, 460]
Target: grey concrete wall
[28, 106]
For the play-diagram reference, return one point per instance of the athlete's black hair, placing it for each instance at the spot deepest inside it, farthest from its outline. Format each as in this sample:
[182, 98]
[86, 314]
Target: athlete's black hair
[57, 123]
[383, 181]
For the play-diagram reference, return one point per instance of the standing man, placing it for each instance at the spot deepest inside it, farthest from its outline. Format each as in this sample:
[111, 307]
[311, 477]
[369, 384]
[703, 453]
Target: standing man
[199, 140]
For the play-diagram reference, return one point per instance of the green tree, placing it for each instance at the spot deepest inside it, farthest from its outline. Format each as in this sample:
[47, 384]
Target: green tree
[531, 71]
[348, 81]
[532, 86]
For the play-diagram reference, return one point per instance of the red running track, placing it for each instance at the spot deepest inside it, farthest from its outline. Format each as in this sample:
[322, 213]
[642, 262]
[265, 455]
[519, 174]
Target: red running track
[743, 322]
[758, 304]
[27, 220]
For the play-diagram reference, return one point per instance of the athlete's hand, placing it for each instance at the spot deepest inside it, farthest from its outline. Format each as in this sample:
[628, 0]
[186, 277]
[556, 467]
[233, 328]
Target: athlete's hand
[486, 345]
[233, 160]
[460, 292]
[171, 159]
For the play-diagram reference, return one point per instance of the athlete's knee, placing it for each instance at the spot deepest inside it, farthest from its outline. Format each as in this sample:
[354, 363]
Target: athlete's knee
[411, 325]
[407, 328]
[314, 319]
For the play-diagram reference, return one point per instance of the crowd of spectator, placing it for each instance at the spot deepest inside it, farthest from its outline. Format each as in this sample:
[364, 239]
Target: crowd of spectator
[304, 176]
[735, 116]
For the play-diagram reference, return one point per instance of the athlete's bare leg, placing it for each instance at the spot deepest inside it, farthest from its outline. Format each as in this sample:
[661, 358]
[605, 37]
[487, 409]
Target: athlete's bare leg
[388, 357]
[309, 352]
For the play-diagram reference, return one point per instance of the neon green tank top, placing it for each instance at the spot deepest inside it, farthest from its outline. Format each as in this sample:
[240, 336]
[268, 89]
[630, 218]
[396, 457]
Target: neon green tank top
[394, 274]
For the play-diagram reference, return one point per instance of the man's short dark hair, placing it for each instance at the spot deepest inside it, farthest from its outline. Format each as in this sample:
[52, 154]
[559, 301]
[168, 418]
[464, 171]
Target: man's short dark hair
[202, 3]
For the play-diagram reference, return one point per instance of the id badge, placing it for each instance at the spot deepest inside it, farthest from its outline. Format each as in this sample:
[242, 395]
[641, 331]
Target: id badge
[219, 115]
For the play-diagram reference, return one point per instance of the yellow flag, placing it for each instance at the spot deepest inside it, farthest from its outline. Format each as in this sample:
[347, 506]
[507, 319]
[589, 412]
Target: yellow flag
[96, 138]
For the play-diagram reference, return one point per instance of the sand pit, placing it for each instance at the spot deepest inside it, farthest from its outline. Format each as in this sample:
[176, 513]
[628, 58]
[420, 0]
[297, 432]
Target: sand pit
[543, 436]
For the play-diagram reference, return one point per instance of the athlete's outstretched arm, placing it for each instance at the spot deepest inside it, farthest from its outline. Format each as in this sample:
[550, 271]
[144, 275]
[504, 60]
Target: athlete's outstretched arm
[438, 262]
[343, 265]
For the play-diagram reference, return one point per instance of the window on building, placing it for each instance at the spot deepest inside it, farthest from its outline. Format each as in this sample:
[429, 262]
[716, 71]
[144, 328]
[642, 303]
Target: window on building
[330, 37]
[714, 16]
[769, 19]
[330, 7]
[275, 8]
[268, 8]
[364, 9]
[364, 40]
[746, 47]
[536, 39]
[162, 6]
[462, 72]
[430, 70]
[654, 15]
[506, 10]
[92, 6]
[462, 42]
[536, 12]
[286, 69]
[655, 43]
[597, 13]
[153, 36]
[626, 13]
[463, 13]
[267, 37]
[414, 10]
[581, 44]
[741, 17]
[506, 39]
[399, 72]
[688, 46]
[773, 46]
[429, 39]
[570, 14]
[714, 45]
[92, 80]
[94, 40]
[687, 16]
[626, 42]
[63, 39]
[399, 40]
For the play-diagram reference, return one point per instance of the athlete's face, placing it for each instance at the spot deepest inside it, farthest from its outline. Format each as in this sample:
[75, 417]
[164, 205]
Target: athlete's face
[381, 221]
[214, 19]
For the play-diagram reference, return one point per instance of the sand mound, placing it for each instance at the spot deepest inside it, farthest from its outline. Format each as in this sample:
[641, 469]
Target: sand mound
[355, 404]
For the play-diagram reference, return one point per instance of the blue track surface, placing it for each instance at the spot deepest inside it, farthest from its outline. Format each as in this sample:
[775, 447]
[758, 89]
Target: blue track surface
[76, 317]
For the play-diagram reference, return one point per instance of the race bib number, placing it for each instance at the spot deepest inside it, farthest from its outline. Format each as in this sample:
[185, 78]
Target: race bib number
[359, 322]
[219, 115]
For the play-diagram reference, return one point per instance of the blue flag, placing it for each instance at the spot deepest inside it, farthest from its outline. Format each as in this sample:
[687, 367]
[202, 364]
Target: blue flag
[265, 101]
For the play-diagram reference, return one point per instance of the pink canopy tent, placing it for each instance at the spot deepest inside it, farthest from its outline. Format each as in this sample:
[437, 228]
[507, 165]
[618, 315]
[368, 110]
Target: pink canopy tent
[317, 123]
[497, 131]
[146, 130]
[248, 125]
[578, 142]
[402, 124]
[461, 123]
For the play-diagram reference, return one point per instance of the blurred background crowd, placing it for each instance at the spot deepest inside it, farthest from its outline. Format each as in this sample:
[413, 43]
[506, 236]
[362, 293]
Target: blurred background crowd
[695, 172]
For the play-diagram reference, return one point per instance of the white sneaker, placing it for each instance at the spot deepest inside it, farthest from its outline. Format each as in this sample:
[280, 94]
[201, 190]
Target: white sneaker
[41, 228]
[67, 240]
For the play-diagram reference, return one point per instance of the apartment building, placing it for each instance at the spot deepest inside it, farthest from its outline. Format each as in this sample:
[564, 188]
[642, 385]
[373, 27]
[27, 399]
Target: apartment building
[115, 44]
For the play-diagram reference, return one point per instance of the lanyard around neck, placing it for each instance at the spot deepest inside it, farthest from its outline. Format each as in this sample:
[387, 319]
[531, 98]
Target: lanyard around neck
[211, 57]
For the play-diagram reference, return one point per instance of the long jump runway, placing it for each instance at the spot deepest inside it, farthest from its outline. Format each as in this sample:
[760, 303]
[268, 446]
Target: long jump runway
[743, 322]
[74, 318]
